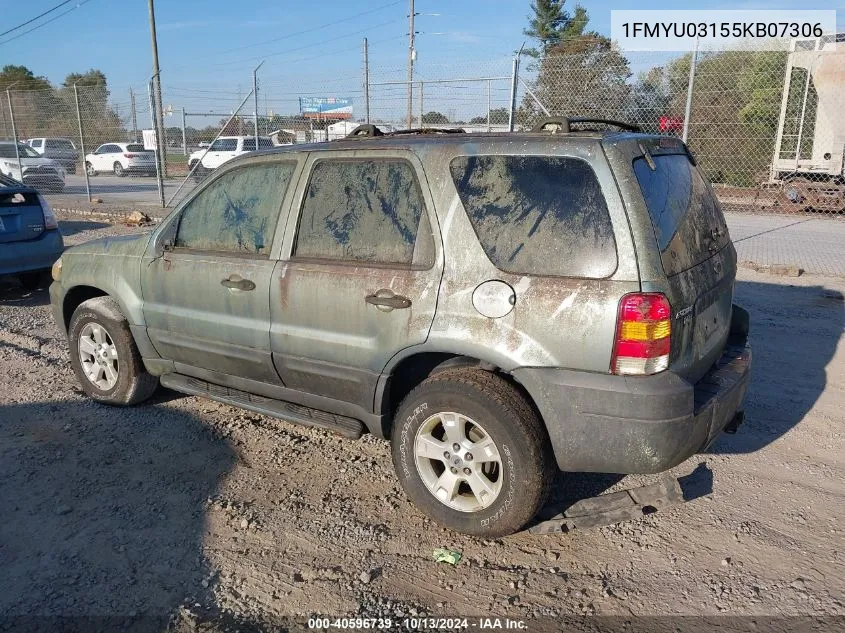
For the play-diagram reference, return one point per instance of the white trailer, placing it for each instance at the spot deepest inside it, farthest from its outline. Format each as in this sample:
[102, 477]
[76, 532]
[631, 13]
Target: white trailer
[808, 156]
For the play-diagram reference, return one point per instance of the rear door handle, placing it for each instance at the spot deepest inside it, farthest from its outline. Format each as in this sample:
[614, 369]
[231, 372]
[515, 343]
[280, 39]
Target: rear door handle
[236, 282]
[385, 300]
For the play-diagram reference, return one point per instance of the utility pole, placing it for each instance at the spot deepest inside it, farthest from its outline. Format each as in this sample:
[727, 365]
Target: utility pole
[255, 101]
[366, 81]
[411, 55]
[161, 141]
[134, 115]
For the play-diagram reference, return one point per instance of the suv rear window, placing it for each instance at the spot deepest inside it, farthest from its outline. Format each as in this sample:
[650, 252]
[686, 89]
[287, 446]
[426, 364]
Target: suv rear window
[135, 147]
[688, 223]
[538, 215]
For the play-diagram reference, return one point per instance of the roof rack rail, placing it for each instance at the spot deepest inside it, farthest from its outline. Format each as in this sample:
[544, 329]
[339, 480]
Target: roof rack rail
[562, 124]
[368, 130]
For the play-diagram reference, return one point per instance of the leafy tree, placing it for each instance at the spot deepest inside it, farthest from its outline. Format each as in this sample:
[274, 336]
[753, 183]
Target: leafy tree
[434, 118]
[736, 103]
[649, 100]
[551, 24]
[23, 78]
[33, 100]
[498, 116]
[582, 76]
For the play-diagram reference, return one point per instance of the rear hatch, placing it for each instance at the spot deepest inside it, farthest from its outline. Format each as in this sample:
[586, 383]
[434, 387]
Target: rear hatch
[21, 217]
[696, 252]
[136, 153]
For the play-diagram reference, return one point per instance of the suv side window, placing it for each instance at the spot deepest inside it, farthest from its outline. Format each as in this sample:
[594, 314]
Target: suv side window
[248, 145]
[364, 210]
[238, 212]
[538, 215]
[37, 142]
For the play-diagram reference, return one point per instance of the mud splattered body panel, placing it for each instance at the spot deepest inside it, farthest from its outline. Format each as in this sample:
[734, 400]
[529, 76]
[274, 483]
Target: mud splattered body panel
[327, 337]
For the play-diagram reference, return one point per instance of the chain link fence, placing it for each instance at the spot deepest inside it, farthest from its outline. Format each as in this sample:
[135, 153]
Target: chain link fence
[764, 125]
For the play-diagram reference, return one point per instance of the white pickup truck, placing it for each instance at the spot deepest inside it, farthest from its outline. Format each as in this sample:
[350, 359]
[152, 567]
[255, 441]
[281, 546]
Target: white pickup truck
[224, 149]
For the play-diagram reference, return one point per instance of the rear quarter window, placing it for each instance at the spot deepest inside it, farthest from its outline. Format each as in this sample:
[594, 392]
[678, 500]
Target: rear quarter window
[538, 215]
[687, 220]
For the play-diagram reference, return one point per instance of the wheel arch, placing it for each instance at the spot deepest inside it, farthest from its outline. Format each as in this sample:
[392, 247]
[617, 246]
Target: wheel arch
[408, 372]
[75, 297]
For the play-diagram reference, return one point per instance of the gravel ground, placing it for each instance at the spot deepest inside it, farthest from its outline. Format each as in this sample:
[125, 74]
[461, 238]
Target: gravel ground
[187, 508]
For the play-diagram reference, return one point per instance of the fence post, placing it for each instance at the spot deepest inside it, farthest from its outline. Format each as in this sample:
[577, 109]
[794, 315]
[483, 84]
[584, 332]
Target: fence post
[366, 81]
[159, 166]
[82, 142]
[514, 78]
[690, 84]
[134, 115]
[184, 135]
[489, 90]
[421, 105]
[14, 133]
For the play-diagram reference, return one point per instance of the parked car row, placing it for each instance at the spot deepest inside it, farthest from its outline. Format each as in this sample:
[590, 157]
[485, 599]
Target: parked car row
[27, 166]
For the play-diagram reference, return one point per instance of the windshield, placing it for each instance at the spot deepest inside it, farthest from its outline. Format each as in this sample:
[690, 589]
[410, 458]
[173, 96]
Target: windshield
[7, 150]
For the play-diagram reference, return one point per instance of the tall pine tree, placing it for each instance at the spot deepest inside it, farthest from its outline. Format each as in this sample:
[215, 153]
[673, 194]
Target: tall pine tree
[552, 25]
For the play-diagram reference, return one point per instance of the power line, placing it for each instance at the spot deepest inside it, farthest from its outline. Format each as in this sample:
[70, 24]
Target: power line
[299, 48]
[311, 30]
[45, 22]
[37, 17]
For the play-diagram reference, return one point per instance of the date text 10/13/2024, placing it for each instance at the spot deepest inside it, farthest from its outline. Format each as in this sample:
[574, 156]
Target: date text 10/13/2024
[420, 623]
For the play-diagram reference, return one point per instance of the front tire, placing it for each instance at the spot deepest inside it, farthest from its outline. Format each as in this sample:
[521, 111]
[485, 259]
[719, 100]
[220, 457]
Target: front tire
[104, 356]
[471, 453]
[89, 168]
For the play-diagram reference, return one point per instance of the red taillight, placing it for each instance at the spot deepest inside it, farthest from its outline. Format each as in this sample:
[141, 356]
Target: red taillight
[643, 334]
[129, 155]
[50, 221]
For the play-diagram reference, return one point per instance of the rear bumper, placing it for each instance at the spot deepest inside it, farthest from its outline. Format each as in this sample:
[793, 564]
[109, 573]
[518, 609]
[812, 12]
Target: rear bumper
[618, 424]
[38, 254]
[140, 169]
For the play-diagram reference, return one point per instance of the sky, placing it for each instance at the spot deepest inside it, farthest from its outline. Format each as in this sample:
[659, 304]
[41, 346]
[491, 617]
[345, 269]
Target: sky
[208, 48]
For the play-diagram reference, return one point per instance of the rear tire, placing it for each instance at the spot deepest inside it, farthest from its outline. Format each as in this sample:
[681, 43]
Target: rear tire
[108, 343]
[473, 410]
[118, 169]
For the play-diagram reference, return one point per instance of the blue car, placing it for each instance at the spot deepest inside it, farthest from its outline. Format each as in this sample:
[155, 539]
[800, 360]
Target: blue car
[30, 241]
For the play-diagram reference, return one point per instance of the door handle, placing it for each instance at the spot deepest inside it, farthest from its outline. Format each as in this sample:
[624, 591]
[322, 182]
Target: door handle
[385, 300]
[236, 282]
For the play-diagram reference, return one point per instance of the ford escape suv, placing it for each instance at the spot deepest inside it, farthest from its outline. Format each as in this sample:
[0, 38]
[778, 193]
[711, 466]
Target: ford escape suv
[498, 306]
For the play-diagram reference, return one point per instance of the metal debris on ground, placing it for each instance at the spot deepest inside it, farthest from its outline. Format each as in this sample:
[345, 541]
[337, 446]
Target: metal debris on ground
[615, 507]
[443, 555]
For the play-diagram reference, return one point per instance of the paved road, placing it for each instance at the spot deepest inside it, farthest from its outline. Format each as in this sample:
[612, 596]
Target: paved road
[134, 190]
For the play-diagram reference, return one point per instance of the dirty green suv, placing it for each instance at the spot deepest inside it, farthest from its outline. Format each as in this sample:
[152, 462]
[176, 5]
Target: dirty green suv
[499, 306]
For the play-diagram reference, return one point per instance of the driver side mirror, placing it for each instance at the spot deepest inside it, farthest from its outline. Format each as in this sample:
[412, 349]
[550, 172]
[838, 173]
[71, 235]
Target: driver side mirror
[167, 240]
